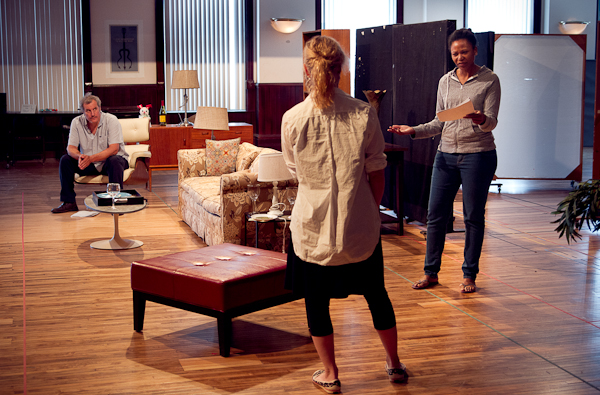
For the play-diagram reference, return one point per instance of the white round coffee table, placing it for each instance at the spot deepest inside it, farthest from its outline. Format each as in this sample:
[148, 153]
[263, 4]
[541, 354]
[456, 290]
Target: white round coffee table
[116, 243]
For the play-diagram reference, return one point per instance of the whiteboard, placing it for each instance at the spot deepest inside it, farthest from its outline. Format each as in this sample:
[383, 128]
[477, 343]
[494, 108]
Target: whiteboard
[539, 133]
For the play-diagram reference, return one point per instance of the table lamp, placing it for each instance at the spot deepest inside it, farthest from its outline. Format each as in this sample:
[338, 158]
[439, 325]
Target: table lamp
[272, 168]
[211, 118]
[185, 79]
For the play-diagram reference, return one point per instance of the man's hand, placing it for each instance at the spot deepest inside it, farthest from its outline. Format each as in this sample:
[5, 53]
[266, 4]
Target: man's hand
[477, 117]
[84, 161]
[401, 129]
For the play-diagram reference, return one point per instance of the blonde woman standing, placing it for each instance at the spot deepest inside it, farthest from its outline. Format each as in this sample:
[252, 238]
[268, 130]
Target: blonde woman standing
[333, 145]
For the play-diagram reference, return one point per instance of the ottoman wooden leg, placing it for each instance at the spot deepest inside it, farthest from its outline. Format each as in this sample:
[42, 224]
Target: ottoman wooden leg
[225, 333]
[139, 308]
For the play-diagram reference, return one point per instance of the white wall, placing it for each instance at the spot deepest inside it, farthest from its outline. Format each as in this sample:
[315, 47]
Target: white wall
[279, 57]
[564, 10]
[419, 11]
[124, 12]
[554, 11]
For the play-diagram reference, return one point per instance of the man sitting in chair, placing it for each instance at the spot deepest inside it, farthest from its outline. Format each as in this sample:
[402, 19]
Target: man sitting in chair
[95, 147]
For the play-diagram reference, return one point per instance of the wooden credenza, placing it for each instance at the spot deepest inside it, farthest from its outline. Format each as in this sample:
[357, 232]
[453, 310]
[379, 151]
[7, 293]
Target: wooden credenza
[165, 141]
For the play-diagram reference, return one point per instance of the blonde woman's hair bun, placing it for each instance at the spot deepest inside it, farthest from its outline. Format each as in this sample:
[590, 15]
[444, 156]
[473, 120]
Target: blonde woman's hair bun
[324, 60]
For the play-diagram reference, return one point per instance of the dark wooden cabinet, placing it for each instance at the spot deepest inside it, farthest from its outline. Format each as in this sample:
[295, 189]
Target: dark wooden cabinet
[165, 141]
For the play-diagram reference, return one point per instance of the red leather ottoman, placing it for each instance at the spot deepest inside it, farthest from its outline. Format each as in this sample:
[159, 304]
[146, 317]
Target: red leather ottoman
[222, 281]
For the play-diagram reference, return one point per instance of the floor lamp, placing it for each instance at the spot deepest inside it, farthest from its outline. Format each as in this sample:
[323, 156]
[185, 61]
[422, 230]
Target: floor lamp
[185, 79]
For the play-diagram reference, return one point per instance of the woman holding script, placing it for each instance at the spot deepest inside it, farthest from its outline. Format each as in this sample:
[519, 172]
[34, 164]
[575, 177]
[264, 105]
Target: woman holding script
[466, 155]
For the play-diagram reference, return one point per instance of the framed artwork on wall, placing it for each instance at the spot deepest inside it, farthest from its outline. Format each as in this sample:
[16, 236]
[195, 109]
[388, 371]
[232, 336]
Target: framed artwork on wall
[123, 48]
[123, 51]
[122, 43]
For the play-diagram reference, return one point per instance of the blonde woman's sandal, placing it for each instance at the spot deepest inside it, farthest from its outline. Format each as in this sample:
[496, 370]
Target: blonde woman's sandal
[397, 375]
[331, 387]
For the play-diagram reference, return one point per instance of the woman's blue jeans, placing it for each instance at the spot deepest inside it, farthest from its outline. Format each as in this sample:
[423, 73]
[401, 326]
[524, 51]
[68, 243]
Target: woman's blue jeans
[475, 172]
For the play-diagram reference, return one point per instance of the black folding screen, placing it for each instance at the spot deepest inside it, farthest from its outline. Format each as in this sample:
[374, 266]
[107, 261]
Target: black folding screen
[3, 120]
[485, 49]
[374, 62]
[407, 61]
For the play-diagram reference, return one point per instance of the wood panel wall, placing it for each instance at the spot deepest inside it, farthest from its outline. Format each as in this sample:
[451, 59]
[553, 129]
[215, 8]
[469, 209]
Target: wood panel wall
[273, 100]
[129, 96]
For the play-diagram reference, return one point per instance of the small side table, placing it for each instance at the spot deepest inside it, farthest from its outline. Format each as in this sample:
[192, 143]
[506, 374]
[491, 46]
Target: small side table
[116, 243]
[284, 218]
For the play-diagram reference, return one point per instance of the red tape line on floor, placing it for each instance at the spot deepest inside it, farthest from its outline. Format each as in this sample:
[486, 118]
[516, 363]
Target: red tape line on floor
[24, 305]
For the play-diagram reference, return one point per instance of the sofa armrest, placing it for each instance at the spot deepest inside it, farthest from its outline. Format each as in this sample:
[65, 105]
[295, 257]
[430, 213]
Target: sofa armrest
[237, 181]
[191, 163]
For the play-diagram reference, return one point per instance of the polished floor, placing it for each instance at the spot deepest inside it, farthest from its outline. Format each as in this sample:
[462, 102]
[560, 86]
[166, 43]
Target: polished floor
[66, 322]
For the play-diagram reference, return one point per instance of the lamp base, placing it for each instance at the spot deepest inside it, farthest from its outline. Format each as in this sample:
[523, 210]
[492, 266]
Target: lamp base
[185, 123]
[276, 212]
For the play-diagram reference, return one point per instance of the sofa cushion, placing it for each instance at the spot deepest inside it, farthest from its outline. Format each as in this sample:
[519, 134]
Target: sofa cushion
[221, 156]
[246, 155]
[205, 191]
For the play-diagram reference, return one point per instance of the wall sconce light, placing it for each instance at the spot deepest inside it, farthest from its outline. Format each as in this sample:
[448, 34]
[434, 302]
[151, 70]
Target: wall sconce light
[572, 27]
[286, 25]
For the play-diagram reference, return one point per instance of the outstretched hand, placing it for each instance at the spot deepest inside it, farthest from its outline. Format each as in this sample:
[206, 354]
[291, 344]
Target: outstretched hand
[477, 117]
[401, 129]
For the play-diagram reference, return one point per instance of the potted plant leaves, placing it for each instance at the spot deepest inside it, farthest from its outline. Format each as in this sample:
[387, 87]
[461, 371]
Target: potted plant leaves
[579, 207]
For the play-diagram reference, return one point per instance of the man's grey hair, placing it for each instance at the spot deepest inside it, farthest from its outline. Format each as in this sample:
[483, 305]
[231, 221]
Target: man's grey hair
[87, 99]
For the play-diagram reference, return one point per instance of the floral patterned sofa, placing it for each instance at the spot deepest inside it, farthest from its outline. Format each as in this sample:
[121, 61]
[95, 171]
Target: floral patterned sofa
[215, 206]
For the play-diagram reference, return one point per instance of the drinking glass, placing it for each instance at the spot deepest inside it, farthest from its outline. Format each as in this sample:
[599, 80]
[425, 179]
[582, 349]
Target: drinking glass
[292, 192]
[114, 190]
[253, 192]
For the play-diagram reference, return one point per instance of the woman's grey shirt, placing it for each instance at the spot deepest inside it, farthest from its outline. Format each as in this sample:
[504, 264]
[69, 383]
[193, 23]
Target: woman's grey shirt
[462, 135]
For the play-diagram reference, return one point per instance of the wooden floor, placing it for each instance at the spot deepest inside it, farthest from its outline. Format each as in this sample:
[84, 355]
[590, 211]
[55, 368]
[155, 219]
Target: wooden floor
[533, 327]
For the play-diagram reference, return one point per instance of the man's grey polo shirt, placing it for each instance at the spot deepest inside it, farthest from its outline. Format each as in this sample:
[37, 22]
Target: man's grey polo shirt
[108, 132]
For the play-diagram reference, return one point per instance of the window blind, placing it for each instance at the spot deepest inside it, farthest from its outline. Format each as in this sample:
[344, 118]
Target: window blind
[41, 57]
[208, 36]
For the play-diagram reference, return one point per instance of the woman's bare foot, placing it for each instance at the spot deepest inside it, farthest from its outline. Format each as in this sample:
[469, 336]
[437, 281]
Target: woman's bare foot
[468, 286]
[425, 281]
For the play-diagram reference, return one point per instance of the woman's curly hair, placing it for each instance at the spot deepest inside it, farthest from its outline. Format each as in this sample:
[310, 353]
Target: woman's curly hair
[324, 59]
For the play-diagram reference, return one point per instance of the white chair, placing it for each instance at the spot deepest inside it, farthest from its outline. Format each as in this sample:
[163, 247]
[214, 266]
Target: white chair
[134, 131]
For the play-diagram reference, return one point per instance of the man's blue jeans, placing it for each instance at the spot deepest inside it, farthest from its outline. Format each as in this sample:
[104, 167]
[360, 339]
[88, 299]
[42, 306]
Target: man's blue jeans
[475, 172]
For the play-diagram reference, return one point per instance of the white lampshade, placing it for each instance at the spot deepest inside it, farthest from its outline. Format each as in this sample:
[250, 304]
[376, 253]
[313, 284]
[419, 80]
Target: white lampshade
[185, 79]
[211, 118]
[272, 167]
[572, 27]
[286, 25]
